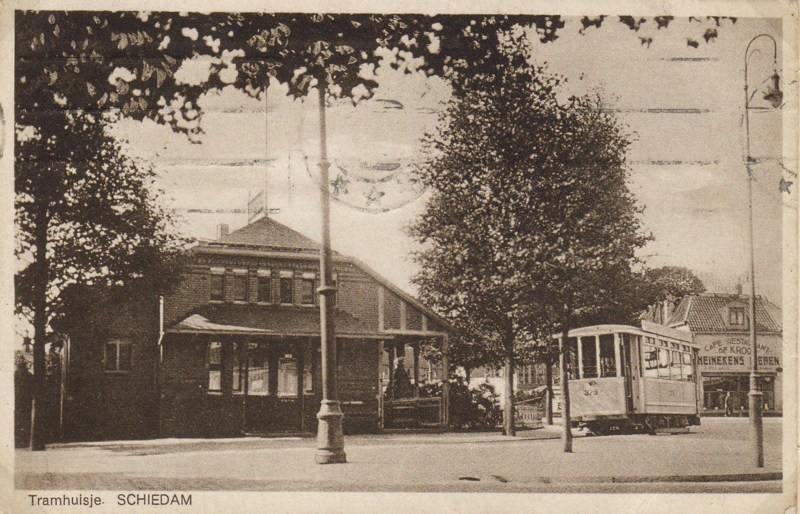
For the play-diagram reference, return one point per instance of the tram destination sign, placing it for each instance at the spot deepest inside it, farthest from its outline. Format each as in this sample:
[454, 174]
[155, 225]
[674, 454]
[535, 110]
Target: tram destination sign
[733, 354]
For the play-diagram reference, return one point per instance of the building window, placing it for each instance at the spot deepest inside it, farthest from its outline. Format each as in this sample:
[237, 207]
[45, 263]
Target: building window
[308, 378]
[287, 288]
[215, 366]
[287, 376]
[736, 316]
[257, 370]
[264, 292]
[217, 285]
[307, 291]
[238, 368]
[118, 356]
[335, 283]
[240, 286]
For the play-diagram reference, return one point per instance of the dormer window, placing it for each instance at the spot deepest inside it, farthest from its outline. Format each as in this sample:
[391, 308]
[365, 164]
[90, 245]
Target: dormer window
[736, 316]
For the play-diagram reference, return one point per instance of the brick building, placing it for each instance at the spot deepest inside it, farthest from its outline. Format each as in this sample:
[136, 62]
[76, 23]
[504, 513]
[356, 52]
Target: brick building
[235, 347]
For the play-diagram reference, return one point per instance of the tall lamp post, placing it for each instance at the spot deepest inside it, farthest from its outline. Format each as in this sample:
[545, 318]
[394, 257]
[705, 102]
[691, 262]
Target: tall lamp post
[330, 439]
[755, 397]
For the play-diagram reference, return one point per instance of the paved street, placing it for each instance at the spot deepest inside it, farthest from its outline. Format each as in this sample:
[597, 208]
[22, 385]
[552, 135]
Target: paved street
[709, 459]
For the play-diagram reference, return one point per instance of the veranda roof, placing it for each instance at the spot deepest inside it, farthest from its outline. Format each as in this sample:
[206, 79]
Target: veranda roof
[197, 324]
[277, 321]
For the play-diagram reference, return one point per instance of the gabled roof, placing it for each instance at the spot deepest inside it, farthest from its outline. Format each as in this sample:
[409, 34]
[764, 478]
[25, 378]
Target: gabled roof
[269, 234]
[430, 313]
[704, 312]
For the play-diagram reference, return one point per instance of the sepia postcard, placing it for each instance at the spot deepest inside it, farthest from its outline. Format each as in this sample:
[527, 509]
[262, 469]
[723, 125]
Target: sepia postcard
[399, 257]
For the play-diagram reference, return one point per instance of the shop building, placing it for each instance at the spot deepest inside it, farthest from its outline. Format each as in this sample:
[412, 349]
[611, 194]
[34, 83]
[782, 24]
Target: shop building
[720, 325]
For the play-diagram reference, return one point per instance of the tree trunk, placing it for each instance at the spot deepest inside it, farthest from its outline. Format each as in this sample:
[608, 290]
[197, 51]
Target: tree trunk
[548, 400]
[564, 362]
[41, 281]
[508, 375]
[39, 404]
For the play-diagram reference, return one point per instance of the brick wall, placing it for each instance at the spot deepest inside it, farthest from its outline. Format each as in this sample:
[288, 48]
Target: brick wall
[103, 404]
[357, 295]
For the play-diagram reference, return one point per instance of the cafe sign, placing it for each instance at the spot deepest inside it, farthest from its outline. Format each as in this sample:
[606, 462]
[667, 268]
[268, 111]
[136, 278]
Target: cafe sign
[733, 354]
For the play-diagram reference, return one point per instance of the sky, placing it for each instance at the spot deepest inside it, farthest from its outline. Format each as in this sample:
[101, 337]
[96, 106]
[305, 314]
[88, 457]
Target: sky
[684, 106]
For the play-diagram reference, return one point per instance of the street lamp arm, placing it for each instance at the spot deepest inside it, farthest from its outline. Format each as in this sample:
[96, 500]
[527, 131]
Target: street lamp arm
[747, 54]
[774, 45]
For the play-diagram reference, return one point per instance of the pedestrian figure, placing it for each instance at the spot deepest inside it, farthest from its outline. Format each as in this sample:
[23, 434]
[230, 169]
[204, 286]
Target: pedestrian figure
[728, 405]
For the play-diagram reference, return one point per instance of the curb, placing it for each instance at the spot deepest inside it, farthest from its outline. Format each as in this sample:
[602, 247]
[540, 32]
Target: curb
[733, 477]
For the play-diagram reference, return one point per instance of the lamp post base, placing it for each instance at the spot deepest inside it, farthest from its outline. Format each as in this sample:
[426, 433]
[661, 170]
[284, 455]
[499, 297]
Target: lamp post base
[330, 439]
[755, 403]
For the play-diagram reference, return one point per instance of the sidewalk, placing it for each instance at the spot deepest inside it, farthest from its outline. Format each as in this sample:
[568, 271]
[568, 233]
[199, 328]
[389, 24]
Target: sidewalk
[718, 451]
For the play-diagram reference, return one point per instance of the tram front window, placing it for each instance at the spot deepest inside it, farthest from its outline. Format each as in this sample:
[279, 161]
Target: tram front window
[608, 363]
[572, 370]
[589, 357]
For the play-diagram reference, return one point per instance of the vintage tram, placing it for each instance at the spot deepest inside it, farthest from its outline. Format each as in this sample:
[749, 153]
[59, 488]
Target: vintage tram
[624, 379]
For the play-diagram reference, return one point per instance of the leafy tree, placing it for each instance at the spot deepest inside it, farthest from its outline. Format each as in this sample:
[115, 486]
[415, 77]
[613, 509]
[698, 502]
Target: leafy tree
[531, 224]
[589, 225]
[644, 289]
[476, 229]
[86, 214]
[669, 283]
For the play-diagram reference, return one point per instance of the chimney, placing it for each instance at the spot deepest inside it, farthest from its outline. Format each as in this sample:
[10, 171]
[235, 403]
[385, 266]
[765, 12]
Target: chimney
[666, 311]
[222, 230]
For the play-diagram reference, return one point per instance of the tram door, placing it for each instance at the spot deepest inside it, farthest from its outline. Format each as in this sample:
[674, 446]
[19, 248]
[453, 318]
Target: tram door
[626, 355]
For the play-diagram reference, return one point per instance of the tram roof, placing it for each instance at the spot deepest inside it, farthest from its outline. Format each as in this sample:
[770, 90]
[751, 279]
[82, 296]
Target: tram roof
[647, 329]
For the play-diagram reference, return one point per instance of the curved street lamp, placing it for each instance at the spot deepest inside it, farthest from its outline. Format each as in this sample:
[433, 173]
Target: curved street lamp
[774, 96]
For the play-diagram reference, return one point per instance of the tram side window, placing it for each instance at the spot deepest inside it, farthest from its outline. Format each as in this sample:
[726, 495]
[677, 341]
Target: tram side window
[688, 369]
[589, 363]
[663, 363]
[675, 365]
[608, 364]
[650, 358]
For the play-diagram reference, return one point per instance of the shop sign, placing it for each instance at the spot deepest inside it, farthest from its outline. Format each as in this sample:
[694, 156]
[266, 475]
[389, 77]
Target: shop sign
[733, 354]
